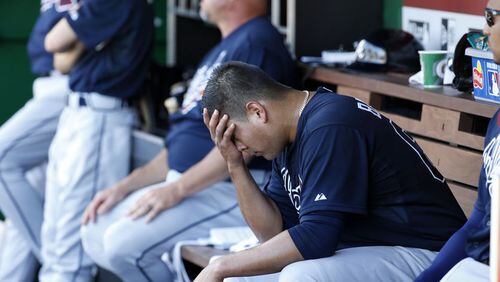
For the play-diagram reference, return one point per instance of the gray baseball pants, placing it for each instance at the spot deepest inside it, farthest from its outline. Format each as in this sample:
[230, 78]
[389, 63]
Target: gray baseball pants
[24, 144]
[90, 151]
[375, 264]
[133, 249]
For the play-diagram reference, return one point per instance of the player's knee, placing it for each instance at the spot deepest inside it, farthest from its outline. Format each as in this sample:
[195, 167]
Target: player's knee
[310, 271]
[6, 152]
[294, 273]
[91, 240]
[5, 161]
[120, 247]
[10, 160]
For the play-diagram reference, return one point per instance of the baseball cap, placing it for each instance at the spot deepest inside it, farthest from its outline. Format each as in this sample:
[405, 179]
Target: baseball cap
[388, 50]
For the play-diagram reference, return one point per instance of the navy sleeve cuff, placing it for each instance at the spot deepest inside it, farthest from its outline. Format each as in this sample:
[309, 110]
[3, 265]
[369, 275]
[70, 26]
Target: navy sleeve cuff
[317, 236]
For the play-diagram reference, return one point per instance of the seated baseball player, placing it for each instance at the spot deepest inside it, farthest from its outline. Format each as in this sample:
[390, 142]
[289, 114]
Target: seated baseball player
[143, 216]
[465, 257]
[352, 197]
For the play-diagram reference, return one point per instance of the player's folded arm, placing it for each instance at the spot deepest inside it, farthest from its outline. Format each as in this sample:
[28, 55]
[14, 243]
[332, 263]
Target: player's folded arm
[97, 22]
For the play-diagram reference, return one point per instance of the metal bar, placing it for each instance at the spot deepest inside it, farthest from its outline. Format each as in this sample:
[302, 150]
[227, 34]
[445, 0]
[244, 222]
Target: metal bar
[290, 24]
[183, 4]
[187, 14]
[171, 33]
[276, 12]
[195, 5]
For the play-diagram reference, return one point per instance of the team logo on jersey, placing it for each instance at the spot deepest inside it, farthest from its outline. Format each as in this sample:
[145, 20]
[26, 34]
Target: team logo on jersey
[493, 89]
[294, 192]
[199, 82]
[477, 76]
[491, 160]
[320, 197]
[70, 6]
[63, 5]
[46, 4]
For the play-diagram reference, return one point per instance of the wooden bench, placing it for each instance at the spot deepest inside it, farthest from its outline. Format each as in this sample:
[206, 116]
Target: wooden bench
[447, 124]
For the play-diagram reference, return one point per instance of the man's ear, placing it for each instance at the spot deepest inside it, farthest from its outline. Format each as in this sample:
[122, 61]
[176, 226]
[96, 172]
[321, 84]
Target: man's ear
[256, 111]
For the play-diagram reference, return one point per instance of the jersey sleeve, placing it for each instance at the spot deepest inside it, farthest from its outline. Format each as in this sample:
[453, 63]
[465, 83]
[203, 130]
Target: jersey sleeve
[334, 171]
[98, 21]
[276, 191]
[482, 194]
[318, 234]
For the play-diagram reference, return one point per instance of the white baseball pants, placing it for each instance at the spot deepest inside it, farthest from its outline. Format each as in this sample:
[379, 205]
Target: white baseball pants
[133, 249]
[375, 264]
[90, 151]
[24, 144]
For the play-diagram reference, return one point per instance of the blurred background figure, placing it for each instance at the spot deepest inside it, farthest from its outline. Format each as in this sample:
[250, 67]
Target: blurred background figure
[24, 145]
[112, 41]
[194, 197]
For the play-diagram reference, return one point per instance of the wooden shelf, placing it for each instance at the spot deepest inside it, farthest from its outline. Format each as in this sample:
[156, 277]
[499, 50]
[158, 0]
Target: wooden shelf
[398, 86]
[200, 255]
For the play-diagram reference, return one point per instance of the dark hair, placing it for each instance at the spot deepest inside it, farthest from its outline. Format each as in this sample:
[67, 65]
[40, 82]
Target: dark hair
[233, 84]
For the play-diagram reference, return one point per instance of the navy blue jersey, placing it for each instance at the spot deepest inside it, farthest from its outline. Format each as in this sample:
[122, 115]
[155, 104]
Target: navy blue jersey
[256, 42]
[478, 244]
[347, 158]
[118, 37]
[42, 61]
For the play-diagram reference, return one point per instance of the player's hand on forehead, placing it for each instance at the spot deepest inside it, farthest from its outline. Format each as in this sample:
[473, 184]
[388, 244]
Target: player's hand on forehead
[207, 119]
[222, 135]
[211, 122]
[216, 125]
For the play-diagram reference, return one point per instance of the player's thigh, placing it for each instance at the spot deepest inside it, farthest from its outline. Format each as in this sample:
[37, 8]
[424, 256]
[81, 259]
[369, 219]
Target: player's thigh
[377, 263]
[25, 138]
[93, 232]
[191, 219]
[468, 270]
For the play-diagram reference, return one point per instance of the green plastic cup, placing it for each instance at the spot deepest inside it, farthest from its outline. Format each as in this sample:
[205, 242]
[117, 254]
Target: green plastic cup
[433, 65]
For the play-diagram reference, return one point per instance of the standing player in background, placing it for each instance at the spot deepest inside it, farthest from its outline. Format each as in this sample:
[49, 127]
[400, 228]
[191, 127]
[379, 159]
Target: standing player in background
[194, 197]
[92, 146]
[24, 145]
[465, 257]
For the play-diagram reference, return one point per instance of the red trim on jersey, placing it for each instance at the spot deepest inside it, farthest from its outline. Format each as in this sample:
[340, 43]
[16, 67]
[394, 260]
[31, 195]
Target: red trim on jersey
[475, 7]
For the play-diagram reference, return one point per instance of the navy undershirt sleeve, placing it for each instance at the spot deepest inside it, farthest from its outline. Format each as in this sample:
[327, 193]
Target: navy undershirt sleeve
[318, 234]
[452, 252]
[482, 195]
